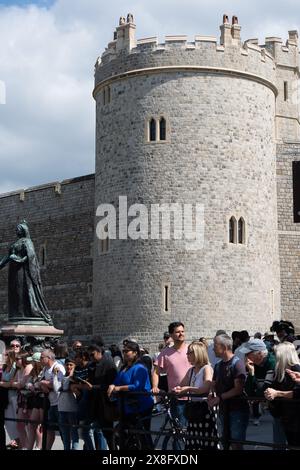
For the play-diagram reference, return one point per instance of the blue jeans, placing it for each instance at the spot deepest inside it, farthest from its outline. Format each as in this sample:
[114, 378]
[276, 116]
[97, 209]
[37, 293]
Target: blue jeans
[99, 436]
[177, 411]
[87, 435]
[68, 433]
[238, 423]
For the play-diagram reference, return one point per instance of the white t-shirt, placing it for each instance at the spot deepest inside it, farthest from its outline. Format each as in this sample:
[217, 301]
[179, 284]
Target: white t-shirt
[49, 375]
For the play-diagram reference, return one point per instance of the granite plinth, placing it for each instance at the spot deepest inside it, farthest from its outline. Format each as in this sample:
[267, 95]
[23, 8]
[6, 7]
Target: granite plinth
[30, 330]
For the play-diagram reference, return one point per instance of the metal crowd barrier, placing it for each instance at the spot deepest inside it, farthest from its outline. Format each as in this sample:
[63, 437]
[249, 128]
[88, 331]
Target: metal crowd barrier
[225, 439]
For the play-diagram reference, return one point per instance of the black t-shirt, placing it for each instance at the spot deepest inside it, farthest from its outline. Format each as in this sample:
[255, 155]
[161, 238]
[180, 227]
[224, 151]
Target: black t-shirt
[103, 374]
[287, 410]
[224, 376]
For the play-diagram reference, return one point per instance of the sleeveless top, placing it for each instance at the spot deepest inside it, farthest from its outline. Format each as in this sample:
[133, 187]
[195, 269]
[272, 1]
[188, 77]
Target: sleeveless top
[197, 380]
[8, 374]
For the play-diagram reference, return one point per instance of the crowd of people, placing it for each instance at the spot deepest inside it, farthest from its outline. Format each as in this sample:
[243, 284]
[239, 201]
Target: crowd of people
[79, 387]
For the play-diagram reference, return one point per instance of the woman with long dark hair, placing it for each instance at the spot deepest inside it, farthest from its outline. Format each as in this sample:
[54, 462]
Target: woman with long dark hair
[134, 377]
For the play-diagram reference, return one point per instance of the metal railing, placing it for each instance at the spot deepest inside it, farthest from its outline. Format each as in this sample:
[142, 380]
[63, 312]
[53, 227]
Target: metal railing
[122, 429]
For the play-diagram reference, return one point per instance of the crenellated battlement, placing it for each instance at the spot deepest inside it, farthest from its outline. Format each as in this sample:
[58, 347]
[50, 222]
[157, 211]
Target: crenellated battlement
[285, 54]
[125, 55]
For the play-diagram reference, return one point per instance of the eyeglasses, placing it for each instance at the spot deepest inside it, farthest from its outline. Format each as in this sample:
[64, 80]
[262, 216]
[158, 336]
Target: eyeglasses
[189, 352]
[15, 346]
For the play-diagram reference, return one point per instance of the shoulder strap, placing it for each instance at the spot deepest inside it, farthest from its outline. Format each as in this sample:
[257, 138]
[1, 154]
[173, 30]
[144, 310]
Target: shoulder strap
[191, 374]
[235, 359]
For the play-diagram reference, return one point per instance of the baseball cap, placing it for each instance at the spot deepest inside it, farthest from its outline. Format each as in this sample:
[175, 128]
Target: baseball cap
[34, 358]
[70, 360]
[252, 345]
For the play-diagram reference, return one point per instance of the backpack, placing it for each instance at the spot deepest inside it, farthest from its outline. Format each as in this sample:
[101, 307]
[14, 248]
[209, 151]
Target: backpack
[235, 359]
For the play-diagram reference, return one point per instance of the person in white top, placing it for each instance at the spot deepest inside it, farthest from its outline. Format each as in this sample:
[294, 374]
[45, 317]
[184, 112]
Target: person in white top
[213, 359]
[51, 367]
[198, 379]
[67, 407]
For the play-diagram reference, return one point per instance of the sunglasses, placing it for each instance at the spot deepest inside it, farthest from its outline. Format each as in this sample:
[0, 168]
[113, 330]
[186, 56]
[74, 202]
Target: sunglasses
[15, 346]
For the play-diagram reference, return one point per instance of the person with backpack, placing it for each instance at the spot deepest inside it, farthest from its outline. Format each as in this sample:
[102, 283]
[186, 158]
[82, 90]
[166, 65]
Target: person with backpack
[227, 386]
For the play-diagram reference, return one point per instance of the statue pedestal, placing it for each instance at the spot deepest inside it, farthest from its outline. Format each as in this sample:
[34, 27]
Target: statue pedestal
[39, 337]
[30, 330]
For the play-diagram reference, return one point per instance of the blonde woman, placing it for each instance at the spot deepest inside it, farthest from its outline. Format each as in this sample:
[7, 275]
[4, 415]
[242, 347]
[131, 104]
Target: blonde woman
[284, 387]
[198, 379]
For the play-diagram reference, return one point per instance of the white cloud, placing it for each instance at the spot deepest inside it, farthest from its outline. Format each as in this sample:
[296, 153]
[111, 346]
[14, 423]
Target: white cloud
[46, 62]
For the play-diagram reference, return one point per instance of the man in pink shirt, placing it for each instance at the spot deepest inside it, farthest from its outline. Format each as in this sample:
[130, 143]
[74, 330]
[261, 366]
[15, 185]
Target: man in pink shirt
[173, 361]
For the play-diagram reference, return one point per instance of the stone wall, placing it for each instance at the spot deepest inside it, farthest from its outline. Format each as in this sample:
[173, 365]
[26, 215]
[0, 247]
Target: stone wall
[61, 219]
[289, 234]
[220, 151]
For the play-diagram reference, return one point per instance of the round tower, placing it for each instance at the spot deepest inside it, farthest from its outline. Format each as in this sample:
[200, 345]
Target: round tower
[188, 124]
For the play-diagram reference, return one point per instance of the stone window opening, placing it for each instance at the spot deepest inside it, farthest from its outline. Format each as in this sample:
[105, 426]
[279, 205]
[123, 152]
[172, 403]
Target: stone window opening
[241, 230]
[232, 230]
[162, 129]
[285, 91]
[106, 95]
[152, 130]
[89, 288]
[166, 297]
[105, 242]
[156, 129]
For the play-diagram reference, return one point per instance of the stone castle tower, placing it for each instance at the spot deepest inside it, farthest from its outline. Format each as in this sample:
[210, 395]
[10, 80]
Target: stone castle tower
[198, 122]
[204, 122]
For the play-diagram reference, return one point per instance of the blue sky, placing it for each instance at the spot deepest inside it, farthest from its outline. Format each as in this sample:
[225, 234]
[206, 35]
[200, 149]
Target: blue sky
[47, 58]
[21, 3]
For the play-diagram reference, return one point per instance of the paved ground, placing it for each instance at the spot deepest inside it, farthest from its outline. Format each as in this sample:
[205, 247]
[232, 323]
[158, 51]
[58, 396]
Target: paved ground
[262, 433]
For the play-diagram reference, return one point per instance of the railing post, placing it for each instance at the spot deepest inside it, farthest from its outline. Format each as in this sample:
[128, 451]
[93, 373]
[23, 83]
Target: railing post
[226, 429]
[121, 422]
[45, 422]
